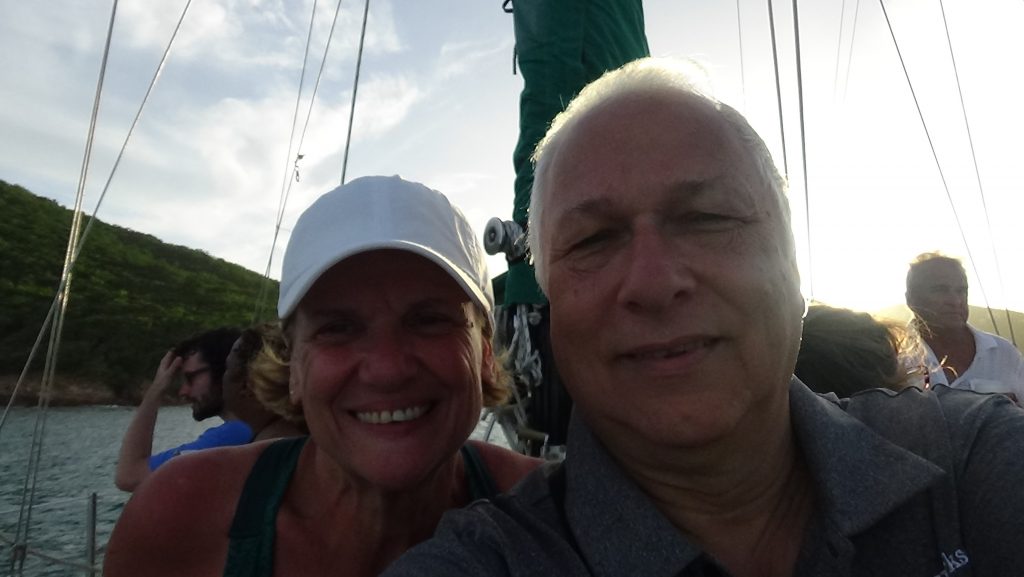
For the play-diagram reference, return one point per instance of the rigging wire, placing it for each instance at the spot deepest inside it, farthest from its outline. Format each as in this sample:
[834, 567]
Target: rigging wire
[355, 89]
[59, 305]
[286, 183]
[106, 187]
[935, 156]
[739, 35]
[778, 89]
[977, 174]
[74, 236]
[803, 146]
[312, 98]
[839, 49]
[76, 219]
[853, 39]
[286, 192]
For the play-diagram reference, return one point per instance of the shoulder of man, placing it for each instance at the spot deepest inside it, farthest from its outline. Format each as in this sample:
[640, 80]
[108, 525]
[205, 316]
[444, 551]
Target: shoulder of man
[936, 421]
[978, 440]
[993, 340]
[233, 432]
[226, 434]
[518, 534]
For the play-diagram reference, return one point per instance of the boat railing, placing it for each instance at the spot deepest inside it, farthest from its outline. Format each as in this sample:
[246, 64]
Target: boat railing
[59, 553]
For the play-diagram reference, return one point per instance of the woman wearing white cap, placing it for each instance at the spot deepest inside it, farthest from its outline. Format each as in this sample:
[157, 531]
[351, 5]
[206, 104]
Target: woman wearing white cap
[386, 305]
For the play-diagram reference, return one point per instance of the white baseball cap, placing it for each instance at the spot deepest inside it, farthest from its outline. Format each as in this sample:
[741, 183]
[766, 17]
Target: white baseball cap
[382, 212]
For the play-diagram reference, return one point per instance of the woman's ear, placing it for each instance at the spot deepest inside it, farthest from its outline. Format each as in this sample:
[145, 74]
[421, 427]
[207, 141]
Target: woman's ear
[488, 364]
[294, 388]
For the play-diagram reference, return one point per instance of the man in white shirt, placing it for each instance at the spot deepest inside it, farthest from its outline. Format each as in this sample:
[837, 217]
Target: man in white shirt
[958, 355]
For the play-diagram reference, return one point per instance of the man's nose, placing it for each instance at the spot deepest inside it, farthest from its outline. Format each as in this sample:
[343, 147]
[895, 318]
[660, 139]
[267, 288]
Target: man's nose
[655, 271]
[954, 298]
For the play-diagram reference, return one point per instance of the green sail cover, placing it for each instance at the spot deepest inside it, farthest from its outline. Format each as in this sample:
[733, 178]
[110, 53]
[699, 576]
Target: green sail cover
[561, 45]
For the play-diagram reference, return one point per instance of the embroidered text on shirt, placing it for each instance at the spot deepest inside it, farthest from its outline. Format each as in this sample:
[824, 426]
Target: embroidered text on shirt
[953, 562]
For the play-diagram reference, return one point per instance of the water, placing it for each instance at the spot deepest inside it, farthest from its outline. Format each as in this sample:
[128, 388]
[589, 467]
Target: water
[78, 458]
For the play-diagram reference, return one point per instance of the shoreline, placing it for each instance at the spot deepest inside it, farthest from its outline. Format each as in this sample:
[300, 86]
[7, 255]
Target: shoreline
[70, 393]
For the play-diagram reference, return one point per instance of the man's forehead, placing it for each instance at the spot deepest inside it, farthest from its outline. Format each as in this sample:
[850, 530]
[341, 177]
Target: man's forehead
[941, 269]
[684, 109]
[607, 203]
[671, 140]
[938, 274]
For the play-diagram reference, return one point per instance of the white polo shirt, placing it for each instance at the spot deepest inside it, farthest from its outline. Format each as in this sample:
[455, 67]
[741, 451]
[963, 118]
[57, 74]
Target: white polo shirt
[998, 367]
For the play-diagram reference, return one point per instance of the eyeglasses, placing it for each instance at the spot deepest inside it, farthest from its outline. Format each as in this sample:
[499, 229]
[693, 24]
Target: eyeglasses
[191, 375]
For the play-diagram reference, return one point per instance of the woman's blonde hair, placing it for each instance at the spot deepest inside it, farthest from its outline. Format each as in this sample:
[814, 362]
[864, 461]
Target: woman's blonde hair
[269, 375]
[497, 389]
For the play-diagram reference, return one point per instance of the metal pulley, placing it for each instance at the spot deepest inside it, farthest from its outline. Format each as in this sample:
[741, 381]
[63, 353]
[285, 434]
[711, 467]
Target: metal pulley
[505, 236]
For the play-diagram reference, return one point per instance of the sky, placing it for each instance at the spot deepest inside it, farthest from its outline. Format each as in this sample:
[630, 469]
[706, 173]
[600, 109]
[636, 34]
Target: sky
[438, 103]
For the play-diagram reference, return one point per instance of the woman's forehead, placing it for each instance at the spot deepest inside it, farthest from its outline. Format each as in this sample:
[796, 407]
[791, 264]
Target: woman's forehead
[399, 278]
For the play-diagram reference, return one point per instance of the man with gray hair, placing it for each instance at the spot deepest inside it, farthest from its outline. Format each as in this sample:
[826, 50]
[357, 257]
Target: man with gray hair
[958, 355]
[660, 233]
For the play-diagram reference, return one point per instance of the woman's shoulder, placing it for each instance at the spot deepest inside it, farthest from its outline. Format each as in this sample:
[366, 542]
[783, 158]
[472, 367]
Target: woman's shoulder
[177, 521]
[197, 485]
[208, 471]
[505, 466]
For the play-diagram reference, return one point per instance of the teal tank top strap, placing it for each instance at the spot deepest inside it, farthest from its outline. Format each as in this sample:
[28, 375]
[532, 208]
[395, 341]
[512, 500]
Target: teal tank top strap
[251, 539]
[481, 483]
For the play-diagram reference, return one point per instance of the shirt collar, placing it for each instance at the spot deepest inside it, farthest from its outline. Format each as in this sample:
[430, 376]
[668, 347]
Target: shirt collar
[860, 477]
[982, 340]
[618, 529]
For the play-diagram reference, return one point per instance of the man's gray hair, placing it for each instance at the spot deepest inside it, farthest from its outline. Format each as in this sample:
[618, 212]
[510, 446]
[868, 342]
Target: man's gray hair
[643, 76]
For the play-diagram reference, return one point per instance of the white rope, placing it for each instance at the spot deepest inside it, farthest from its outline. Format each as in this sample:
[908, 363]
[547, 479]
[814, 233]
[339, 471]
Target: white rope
[526, 360]
[286, 184]
[355, 90]
[55, 316]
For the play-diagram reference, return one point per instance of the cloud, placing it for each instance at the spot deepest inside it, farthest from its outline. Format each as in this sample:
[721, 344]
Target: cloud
[252, 34]
[383, 103]
[223, 166]
[458, 58]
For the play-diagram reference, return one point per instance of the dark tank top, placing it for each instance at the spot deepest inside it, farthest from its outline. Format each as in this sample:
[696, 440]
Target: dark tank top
[251, 539]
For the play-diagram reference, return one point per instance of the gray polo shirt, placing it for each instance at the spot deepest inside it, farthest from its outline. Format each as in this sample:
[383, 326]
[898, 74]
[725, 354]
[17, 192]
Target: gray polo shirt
[912, 484]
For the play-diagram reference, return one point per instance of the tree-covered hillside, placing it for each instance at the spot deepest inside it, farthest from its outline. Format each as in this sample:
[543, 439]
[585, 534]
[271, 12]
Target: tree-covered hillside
[132, 296]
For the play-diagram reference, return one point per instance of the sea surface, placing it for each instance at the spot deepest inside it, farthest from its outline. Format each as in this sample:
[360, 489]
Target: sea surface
[79, 454]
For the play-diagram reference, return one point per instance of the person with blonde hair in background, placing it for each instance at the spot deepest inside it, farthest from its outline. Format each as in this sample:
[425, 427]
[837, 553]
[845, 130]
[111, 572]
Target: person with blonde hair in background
[248, 371]
[845, 352]
[269, 376]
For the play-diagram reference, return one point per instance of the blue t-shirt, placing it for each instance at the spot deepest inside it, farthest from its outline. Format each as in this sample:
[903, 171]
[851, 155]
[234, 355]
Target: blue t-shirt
[230, 433]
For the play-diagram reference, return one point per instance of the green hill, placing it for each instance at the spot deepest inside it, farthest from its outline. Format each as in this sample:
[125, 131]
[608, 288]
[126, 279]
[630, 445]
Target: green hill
[132, 297]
